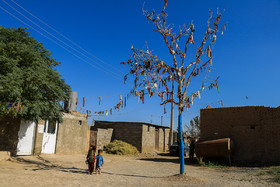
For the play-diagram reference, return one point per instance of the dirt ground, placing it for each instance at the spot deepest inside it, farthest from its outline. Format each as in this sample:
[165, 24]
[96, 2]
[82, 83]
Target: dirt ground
[141, 170]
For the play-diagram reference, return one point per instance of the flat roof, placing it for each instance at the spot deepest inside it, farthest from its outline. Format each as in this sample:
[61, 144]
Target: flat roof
[248, 106]
[127, 122]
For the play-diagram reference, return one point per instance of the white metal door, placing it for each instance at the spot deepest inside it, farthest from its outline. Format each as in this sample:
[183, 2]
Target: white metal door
[26, 136]
[49, 137]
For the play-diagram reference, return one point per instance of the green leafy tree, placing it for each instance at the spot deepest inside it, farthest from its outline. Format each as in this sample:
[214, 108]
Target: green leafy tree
[193, 129]
[29, 81]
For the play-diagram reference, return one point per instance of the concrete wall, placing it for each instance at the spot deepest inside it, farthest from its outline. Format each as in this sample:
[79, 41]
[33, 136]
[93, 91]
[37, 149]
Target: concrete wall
[148, 139]
[104, 137]
[255, 131]
[72, 137]
[9, 128]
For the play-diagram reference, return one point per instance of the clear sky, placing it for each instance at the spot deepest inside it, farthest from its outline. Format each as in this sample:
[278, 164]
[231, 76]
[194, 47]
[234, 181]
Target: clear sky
[246, 56]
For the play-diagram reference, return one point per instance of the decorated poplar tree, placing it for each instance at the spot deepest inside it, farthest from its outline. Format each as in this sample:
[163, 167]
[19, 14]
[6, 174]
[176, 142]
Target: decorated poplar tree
[153, 76]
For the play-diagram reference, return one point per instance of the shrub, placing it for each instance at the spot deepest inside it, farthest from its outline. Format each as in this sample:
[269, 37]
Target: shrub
[120, 148]
[274, 172]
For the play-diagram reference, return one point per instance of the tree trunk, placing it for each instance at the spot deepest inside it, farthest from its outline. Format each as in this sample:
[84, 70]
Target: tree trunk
[180, 130]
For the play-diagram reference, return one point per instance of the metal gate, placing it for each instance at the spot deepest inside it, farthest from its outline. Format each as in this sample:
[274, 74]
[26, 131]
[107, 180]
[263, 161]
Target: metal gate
[26, 136]
[49, 138]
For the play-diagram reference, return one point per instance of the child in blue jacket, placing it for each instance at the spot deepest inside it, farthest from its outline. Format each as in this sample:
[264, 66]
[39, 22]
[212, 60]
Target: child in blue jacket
[99, 161]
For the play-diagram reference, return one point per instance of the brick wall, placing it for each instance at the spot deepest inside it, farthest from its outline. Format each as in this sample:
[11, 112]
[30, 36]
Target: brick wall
[9, 128]
[128, 132]
[255, 131]
[140, 135]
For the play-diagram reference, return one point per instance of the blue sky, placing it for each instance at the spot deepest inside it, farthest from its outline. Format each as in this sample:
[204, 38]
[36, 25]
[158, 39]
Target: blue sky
[246, 56]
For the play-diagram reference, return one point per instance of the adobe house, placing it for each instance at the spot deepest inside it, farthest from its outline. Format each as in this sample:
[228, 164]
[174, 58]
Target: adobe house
[26, 138]
[146, 137]
[255, 131]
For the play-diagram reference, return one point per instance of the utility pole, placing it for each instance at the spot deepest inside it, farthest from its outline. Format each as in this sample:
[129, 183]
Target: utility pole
[161, 120]
[151, 118]
[171, 118]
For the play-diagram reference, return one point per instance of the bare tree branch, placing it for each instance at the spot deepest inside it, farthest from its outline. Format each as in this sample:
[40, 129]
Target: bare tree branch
[151, 74]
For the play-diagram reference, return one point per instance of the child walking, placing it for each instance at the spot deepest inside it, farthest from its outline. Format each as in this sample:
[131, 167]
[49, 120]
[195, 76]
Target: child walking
[91, 159]
[99, 161]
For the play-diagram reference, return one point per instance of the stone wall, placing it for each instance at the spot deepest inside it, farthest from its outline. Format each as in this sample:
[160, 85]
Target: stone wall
[255, 131]
[104, 137]
[72, 135]
[148, 139]
[9, 128]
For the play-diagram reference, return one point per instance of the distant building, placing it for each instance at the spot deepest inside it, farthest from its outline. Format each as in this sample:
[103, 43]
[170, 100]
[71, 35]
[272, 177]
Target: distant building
[26, 138]
[146, 137]
[255, 131]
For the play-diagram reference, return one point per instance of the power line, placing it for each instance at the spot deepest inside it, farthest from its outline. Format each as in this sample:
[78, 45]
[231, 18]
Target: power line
[58, 43]
[65, 37]
[58, 38]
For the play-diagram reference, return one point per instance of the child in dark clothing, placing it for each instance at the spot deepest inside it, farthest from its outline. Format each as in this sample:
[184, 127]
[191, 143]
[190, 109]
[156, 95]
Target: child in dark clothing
[91, 159]
[99, 161]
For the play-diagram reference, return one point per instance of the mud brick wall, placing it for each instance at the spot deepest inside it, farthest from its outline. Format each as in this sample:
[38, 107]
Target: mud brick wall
[255, 131]
[104, 137]
[72, 138]
[148, 139]
[9, 128]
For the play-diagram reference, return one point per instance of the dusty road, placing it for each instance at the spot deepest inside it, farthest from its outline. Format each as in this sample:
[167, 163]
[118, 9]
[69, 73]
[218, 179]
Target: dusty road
[142, 170]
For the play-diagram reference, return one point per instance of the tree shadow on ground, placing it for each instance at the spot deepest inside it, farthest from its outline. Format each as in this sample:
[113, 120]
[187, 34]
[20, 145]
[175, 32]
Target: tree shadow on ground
[47, 165]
